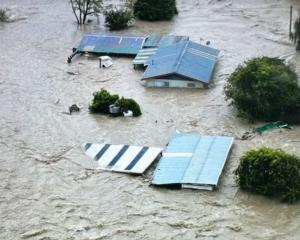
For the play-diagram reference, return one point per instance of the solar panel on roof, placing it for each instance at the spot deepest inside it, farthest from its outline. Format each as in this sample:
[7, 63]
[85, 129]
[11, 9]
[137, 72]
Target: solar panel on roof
[117, 44]
[154, 40]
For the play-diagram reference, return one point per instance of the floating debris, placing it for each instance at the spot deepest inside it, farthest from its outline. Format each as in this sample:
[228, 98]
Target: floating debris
[72, 73]
[248, 135]
[105, 61]
[270, 126]
[74, 108]
[122, 158]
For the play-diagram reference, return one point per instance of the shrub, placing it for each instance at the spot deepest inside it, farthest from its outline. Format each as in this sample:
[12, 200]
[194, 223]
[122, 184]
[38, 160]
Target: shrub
[103, 99]
[117, 19]
[3, 15]
[101, 102]
[265, 89]
[126, 104]
[154, 10]
[270, 172]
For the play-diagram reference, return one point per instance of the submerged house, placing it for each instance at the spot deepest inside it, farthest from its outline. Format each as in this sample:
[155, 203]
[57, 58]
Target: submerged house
[182, 65]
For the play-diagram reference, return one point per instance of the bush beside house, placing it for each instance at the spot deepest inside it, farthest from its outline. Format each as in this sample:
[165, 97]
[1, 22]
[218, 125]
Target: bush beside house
[265, 89]
[270, 172]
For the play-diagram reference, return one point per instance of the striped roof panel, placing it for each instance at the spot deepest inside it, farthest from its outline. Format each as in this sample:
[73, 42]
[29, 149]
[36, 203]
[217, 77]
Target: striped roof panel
[122, 158]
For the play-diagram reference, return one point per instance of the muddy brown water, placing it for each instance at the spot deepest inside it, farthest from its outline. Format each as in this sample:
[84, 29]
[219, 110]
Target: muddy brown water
[51, 190]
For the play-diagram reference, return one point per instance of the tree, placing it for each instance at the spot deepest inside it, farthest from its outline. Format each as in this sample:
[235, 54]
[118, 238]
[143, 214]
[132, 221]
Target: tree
[117, 19]
[270, 172]
[296, 35]
[83, 8]
[154, 10]
[265, 89]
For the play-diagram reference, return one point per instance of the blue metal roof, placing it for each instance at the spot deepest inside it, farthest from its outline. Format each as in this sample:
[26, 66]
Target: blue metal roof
[117, 44]
[189, 60]
[193, 160]
[154, 40]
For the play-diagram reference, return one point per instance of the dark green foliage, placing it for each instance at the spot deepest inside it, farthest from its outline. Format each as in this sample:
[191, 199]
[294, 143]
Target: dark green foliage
[3, 15]
[154, 10]
[101, 102]
[103, 99]
[265, 89]
[117, 19]
[296, 35]
[270, 172]
[126, 104]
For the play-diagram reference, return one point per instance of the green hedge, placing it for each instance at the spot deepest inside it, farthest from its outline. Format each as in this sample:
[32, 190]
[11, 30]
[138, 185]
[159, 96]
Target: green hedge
[101, 102]
[117, 19]
[265, 89]
[126, 104]
[270, 172]
[103, 99]
[154, 10]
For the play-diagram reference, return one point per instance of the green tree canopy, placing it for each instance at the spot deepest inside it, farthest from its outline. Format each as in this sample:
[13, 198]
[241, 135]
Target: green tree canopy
[270, 172]
[154, 10]
[265, 89]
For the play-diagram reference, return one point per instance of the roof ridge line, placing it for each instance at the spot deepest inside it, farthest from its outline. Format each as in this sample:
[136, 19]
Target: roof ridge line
[181, 56]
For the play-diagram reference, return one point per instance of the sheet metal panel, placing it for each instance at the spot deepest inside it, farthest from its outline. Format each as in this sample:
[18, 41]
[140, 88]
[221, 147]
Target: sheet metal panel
[188, 59]
[122, 158]
[192, 160]
[143, 55]
[154, 40]
[117, 44]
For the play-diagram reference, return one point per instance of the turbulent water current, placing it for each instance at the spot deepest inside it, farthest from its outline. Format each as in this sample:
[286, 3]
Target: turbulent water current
[49, 189]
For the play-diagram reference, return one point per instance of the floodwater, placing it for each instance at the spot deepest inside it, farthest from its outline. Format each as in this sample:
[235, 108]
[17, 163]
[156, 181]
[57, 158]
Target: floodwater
[51, 190]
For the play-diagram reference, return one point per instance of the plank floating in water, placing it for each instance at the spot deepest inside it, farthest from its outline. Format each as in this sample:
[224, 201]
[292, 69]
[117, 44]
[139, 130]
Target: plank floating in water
[193, 161]
[122, 158]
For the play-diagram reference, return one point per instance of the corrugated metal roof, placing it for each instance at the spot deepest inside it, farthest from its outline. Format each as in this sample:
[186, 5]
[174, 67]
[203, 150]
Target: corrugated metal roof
[143, 55]
[193, 161]
[117, 44]
[122, 158]
[188, 59]
[154, 40]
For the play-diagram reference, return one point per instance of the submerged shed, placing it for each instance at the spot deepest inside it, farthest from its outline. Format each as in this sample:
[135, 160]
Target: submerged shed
[109, 44]
[152, 43]
[193, 161]
[185, 65]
